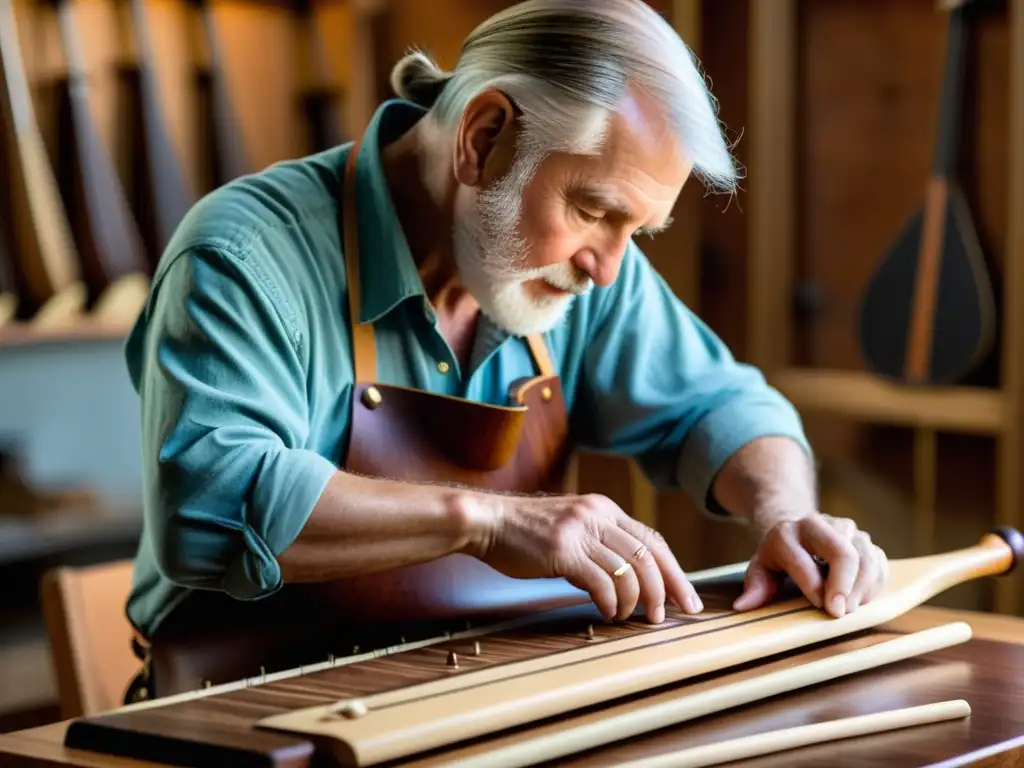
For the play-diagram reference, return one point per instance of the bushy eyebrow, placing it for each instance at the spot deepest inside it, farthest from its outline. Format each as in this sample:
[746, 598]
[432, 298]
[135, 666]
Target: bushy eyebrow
[607, 201]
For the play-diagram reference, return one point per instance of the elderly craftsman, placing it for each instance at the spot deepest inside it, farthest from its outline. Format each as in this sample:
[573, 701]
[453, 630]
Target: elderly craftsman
[361, 371]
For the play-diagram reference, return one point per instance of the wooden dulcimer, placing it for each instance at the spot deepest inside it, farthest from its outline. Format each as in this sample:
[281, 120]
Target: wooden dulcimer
[493, 696]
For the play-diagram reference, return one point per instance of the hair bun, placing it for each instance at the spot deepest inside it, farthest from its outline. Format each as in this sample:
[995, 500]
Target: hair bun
[417, 78]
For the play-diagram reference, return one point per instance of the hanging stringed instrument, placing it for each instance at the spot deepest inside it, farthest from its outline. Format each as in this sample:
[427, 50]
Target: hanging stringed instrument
[8, 288]
[166, 194]
[541, 687]
[110, 248]
[928, 315]
[226, 155]
[42, 252]
[320, 101]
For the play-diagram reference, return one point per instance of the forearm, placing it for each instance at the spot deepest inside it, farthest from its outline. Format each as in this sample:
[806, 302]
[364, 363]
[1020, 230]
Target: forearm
[362, 525]
[767, 480]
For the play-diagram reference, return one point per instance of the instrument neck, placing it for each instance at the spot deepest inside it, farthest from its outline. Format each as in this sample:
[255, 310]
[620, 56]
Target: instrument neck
[953, 85]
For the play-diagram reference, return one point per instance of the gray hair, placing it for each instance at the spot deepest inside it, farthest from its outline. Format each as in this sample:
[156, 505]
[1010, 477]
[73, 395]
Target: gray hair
[567, 65]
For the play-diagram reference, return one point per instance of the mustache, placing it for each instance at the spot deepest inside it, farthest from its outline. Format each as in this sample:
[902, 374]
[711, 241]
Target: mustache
[569, 277]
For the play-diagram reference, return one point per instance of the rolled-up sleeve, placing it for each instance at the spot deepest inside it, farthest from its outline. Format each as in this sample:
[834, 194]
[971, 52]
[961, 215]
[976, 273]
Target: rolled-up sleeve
[656, 383]
[228, 480]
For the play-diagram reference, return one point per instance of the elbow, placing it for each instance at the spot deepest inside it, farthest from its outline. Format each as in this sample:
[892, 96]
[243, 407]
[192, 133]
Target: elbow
[181, 555]
[202, 554]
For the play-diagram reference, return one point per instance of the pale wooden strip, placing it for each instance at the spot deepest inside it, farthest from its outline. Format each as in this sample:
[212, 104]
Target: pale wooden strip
[805, 735]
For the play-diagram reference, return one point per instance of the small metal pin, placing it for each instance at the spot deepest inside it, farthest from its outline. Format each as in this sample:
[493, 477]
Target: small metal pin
[330, 659]
[263, 674]
[476, 647]
[453, 660]
[546, 394]
[355, 649]
[352, 709]
[402, 640]
[590, 631]
[207, 684]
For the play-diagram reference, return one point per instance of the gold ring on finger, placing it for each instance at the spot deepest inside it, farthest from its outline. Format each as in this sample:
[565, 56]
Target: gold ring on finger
[640, 552]
[624, 568]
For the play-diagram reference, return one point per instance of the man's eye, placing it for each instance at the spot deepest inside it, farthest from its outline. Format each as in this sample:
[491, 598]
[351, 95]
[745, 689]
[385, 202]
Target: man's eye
[586, 216]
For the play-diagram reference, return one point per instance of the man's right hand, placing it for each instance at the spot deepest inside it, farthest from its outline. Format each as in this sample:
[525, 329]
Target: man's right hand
[585, 540]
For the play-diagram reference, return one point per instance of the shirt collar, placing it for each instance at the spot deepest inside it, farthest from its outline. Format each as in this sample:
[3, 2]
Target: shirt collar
[387, 271]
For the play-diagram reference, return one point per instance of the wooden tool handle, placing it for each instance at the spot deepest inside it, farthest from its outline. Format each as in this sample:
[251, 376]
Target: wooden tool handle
[805, 735]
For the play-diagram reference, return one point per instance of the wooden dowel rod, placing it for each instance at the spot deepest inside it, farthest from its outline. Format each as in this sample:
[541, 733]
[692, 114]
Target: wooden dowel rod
[805, 735]
[693, 701]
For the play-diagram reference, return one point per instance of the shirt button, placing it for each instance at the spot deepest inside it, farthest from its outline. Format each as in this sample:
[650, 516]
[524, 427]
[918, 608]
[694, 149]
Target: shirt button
[442, 367]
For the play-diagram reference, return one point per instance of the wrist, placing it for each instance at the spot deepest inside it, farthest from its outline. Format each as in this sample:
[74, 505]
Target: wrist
[474, 517]
[767, 514]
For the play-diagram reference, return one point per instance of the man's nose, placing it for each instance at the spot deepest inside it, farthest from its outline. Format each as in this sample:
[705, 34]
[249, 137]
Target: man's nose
[603, 268]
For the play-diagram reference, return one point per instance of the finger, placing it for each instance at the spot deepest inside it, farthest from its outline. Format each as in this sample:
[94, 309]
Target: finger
[626, 585]
[759, 586]
[677, 587]
[843, 561]
[883, 559]
[651, 584]
[597, 582]
[869, 576]
[787, 554]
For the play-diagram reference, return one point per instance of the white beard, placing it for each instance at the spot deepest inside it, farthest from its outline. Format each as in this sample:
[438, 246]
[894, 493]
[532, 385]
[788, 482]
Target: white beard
[490, 255]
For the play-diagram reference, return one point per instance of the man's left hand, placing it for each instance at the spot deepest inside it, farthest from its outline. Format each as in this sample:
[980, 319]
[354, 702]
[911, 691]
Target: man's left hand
[857, 568]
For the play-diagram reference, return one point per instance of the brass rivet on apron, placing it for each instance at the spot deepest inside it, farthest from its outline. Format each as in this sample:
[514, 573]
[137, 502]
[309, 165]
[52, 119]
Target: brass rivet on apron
[545, 394]
[372, 398]
[442, 367]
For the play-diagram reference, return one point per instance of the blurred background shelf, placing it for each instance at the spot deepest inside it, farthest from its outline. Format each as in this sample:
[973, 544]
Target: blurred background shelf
[864, 396]
[24, 334]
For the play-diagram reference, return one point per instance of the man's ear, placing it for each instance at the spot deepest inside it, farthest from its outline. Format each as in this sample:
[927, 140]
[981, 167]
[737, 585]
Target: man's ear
[486, 139]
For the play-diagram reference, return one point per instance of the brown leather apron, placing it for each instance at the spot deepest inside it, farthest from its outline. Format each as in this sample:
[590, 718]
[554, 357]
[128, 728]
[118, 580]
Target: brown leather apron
[404, 434]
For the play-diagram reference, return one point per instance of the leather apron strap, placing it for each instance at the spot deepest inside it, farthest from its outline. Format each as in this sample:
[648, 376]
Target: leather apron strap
[364, 347]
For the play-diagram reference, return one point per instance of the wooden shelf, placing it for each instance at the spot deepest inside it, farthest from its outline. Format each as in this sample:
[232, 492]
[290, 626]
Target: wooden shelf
[83, 329]
[872, 399]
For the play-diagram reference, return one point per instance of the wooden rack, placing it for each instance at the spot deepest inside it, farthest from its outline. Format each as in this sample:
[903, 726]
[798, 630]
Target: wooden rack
[860, 396]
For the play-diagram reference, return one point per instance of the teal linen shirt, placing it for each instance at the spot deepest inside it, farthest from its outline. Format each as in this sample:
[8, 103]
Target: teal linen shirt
[242, 362]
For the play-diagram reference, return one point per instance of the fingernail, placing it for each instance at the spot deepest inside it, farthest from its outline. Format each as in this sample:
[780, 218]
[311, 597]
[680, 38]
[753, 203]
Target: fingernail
[696, 606]
[839, 605]
[853, 604]
[658, 615]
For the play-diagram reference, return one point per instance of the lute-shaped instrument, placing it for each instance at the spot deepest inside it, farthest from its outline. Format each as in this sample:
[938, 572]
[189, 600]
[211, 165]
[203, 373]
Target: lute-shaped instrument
[928, 315]
[43, 255]
[110, 248]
